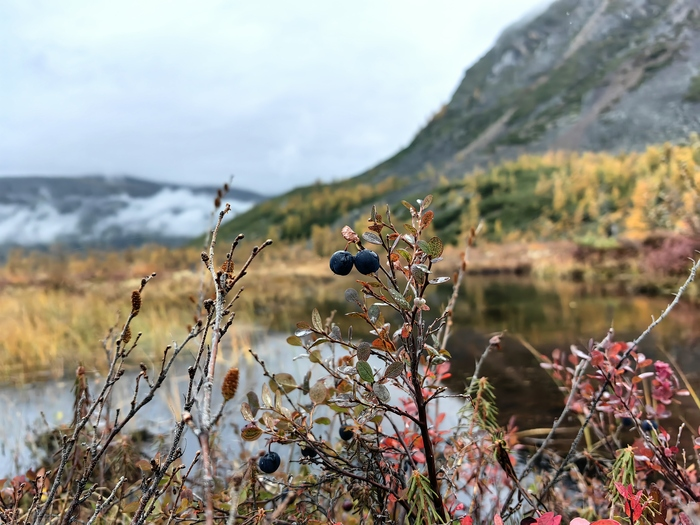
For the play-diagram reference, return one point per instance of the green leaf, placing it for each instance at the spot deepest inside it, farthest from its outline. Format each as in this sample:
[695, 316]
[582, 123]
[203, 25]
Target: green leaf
[246, 412]
[253, 402]
[322, 421]
[410, 208]
[373, 313]
[316, 320]
[410, 229]
[294, 341]
[363, 351]
[418, 273]
[372, 238]
[266, 396]
[400, 299]
[336, 334]
[315, 356]
[435, 247]
[382, 393]
[365, 371]
[404, 253]
[318, 341]
[285, 381]
[394, 370]
[318, 393]
[422, 267]
[424, 246]
[352, 296]
[427, 202]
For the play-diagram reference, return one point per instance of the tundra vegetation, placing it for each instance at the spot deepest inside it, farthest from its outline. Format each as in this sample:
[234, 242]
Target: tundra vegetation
[597, 198]
[362, 436]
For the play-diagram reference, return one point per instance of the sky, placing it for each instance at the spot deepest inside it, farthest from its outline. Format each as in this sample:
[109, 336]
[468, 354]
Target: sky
[277, 93]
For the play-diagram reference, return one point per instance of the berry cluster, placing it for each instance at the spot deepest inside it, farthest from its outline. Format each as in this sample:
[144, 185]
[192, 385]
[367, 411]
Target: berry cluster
[366, 262]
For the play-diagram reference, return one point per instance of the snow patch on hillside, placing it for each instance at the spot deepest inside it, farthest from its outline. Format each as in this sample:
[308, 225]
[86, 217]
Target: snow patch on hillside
[42, 224]
[169, 214]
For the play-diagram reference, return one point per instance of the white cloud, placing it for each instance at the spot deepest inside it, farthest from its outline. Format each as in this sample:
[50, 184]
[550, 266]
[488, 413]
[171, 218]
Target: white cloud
[279, 93]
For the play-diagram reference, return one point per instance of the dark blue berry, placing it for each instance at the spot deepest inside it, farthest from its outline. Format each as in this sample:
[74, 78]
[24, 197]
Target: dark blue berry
[269, 463]
[627, 422]
[308, 452]
[346, 433]
[341, 262]
[367, 262]
[647, 425]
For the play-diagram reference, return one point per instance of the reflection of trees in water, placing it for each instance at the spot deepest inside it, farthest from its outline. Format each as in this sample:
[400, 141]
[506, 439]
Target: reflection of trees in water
[548, 314]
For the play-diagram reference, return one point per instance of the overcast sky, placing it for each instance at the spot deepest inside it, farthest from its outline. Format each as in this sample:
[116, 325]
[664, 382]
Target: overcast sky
[279, 93]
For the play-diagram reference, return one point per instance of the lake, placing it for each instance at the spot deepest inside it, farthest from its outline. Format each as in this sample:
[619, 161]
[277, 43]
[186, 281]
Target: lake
[546, 314]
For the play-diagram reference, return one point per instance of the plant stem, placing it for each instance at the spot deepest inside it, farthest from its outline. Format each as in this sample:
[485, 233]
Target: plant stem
[423, 416]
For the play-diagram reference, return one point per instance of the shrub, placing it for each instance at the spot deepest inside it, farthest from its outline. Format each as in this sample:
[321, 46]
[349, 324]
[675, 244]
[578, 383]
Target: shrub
[670, 254]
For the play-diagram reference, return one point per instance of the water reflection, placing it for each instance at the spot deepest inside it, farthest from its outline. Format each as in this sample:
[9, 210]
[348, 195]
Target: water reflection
[547, 314]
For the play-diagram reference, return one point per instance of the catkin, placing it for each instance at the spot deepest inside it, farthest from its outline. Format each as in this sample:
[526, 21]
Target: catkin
[135, 302]
[230, 385]
[127, 335]
[227, 266]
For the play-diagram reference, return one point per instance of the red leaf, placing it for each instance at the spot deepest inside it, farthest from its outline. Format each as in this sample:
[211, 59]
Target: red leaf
[439, 419]
[418, 457]
[466, 520]
[616, 348]
[549, 519]
[597, 358]
[349, 234]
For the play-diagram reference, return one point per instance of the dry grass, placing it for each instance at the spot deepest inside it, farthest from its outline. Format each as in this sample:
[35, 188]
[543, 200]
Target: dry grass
[55, 309]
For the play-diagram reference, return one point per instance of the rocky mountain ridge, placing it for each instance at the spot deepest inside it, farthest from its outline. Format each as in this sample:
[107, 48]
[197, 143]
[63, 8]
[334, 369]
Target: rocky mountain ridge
[612, 75]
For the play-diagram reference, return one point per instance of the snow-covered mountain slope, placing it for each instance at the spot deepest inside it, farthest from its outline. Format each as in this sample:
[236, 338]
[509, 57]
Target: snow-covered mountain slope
[105, 211]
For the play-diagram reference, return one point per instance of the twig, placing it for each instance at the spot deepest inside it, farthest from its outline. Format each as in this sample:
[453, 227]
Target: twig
[99, 508]
[182, 486]
[281, 507]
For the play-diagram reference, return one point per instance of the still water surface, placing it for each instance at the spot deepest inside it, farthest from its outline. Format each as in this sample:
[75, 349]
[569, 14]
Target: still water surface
[547, 314]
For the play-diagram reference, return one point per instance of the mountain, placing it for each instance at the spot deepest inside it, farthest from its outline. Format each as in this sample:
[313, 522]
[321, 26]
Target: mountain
[583, 75]
[99, 211]
[613, 75]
